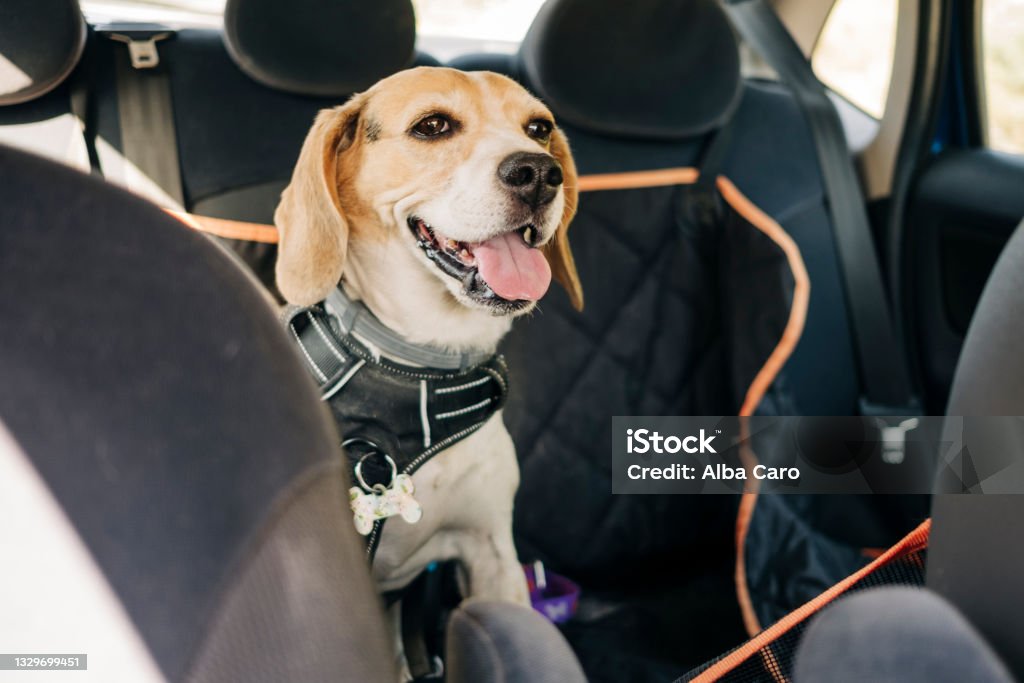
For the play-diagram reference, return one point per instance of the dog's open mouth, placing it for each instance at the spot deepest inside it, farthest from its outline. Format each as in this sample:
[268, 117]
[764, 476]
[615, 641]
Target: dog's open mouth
[507, 271]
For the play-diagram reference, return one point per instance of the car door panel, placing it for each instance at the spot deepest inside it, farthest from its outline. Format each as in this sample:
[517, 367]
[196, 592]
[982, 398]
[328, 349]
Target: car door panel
[962, 210]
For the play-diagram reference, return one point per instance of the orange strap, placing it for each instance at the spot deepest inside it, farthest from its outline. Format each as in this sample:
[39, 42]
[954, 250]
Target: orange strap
[801, 293]
[223, 227]
[765, 376]
[913, 542]
[632, 180]
[267, 234]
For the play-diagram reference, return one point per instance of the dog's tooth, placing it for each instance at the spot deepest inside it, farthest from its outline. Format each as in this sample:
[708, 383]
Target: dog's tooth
[452, 244]
[528, 235]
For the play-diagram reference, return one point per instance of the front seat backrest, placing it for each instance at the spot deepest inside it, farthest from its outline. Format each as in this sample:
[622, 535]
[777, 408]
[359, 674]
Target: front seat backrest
[973, 559]
[150, 388]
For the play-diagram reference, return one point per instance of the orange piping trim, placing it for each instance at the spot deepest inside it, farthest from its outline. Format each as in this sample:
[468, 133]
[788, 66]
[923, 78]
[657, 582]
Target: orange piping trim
[637, 179]
[765, 376]
[913, 542]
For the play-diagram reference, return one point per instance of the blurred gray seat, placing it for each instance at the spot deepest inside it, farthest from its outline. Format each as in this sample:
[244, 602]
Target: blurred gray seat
[170, 480]
[489, 641]
[975, 560]
[148, 387]
[895, 635]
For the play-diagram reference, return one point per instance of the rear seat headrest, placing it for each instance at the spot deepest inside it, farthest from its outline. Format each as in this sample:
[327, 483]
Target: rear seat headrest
[648, 69]
[326, 48]
[41, 41]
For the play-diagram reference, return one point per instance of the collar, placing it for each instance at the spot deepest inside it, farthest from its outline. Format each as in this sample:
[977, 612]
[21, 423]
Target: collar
[355, 319]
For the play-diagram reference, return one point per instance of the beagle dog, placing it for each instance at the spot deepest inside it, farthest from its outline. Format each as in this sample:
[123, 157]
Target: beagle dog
[440, 201]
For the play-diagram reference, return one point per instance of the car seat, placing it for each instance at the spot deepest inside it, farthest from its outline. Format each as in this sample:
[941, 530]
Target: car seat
[175, 503]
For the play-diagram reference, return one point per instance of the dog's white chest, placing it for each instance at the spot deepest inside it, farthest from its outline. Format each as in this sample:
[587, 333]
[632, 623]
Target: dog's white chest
[466, 493]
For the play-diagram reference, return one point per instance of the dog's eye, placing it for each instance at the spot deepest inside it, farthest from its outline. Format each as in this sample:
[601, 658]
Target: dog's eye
[432, 126]
[539, 130]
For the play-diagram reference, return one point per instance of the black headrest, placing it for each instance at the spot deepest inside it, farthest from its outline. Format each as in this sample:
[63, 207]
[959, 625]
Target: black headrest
[41, 41]
[320, 47]
[649, 69]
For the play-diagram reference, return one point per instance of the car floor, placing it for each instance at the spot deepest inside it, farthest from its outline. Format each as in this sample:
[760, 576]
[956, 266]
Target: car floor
[659, 633]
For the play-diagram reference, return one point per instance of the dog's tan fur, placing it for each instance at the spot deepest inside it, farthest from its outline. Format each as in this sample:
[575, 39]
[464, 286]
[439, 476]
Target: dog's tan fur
[343, 219]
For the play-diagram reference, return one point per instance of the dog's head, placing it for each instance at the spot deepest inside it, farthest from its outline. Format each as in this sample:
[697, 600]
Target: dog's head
[464, 173]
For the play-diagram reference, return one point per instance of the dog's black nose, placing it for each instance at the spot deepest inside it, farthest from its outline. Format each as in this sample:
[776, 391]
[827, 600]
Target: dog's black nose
[533, 178]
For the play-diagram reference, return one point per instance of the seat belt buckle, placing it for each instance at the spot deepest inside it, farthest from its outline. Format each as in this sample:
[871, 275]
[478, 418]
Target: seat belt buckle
[141, 42]
[868, 408]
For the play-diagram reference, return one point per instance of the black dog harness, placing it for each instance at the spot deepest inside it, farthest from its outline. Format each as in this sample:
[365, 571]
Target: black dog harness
[392, 417]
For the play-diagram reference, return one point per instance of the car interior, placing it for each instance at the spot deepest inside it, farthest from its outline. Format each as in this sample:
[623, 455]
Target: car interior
[167, 468]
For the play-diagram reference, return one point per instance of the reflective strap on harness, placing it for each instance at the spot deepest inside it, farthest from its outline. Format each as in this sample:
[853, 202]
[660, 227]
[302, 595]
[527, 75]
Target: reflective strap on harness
[331, 366]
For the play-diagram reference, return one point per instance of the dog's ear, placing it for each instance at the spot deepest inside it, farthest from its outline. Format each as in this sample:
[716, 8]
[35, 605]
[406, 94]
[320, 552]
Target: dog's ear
[557, 249]
[311, 224]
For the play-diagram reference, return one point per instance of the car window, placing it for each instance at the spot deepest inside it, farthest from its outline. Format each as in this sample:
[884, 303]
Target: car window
[1002, 63]
[445, 28]
[501, 20]
[172, 12]
[854, 53]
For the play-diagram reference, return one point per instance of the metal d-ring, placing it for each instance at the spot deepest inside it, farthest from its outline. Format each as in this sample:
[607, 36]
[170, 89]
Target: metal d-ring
[376, 488]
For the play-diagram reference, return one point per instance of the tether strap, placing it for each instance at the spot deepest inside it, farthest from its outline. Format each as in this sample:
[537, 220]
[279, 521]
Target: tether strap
[885, 378]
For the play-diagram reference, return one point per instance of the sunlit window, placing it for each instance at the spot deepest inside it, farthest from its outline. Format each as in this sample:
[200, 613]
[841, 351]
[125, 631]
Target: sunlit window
[1002, 42]
[854, 53]
[504, 20]
[184, 12]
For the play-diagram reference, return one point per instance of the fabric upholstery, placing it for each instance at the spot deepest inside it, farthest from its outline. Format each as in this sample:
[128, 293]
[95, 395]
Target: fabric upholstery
[160, 401]
[51, 570]
[40, 45]
[490, 641]
[989, 377]
[41, 41]
[971, 563]
[238, 140]
[313, 47]
[648, 69]
[46, 126]
[233, 133]
[632, 350]
[895, 635]
[265, 633]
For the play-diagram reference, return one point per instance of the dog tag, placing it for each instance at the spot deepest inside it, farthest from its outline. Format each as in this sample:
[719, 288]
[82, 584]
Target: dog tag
[380, 502]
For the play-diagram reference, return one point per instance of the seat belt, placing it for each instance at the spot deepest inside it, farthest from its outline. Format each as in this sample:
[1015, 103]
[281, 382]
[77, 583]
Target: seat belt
[885, 377]
[83, 106]
[148, 137]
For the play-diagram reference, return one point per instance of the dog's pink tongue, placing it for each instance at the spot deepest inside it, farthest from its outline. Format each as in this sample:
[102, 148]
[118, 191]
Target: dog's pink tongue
[512, 269]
